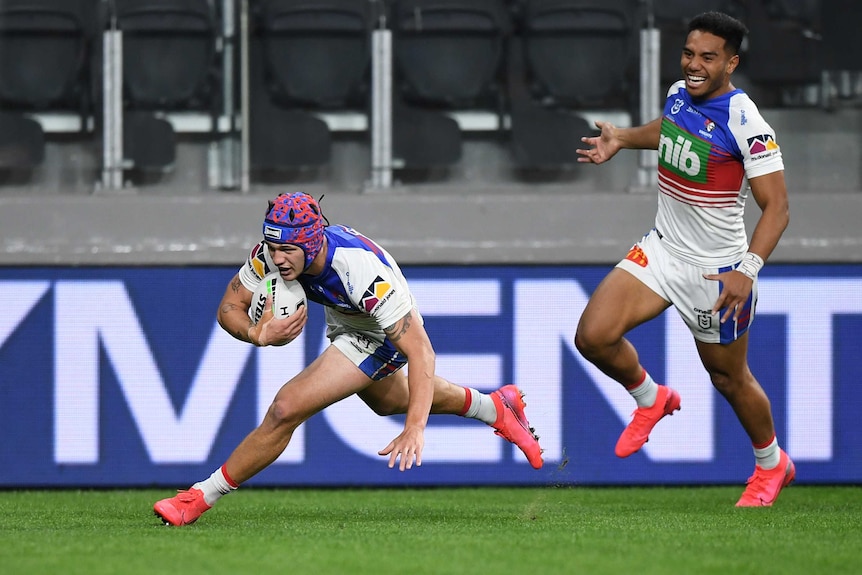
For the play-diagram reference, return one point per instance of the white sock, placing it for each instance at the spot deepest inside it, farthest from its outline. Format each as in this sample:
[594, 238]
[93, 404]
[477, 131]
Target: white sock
[768, 456]
[215, 486]
[481, 407]
[645, 392]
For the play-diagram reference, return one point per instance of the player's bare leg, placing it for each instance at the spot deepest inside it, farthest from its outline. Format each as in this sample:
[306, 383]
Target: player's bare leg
[391, 395]
[330, 378]
[730, 375]
[620, 303]
[503, 409]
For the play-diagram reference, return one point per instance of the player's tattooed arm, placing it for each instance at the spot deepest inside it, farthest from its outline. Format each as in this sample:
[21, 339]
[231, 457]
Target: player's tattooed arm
[238, 333]
[397, 330]
[247, 335]
[232, 313]
[229, 307]
[244, 335]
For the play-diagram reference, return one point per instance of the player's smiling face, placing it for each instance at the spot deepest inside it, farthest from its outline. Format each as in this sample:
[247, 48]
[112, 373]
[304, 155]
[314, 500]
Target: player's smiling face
[706, 65]
[288, 258]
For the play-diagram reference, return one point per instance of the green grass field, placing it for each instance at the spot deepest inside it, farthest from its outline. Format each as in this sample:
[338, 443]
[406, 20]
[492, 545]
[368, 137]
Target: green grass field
[437, 531]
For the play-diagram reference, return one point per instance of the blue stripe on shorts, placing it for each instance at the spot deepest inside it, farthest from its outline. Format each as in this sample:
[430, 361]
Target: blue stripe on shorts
[385, 360]
[731, 330]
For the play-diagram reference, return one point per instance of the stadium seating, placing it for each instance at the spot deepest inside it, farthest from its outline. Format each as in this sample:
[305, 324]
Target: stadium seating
[582, 53]
[840, 41]
[542, 138]
[44, 62]
[448, 56]
[169, 64]
[784, 52]
[308, 57]
[577, 55]
[486, 76]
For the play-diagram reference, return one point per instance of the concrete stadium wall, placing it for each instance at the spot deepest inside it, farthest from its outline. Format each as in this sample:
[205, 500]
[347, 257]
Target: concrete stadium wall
[479, 212]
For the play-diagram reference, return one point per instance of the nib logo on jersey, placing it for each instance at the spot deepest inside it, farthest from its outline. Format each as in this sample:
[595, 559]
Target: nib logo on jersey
[763, 144]
[682, 153]
[377, 294]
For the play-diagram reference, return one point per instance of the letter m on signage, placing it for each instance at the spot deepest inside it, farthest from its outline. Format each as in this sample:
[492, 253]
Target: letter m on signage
[81, 326]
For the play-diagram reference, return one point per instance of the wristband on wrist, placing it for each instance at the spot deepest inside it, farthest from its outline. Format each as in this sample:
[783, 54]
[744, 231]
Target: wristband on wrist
[750, 265]
[250, 338]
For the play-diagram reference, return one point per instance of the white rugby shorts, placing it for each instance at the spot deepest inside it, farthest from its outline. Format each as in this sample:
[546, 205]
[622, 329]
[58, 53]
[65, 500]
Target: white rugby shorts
[369, 350]
[683, 285]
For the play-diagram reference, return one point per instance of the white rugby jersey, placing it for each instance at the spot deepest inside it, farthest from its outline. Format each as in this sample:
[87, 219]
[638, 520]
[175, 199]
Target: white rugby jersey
[361, 285]
[705, 150]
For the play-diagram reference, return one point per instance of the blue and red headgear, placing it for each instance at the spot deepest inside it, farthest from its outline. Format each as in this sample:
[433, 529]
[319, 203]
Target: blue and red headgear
[295, 219]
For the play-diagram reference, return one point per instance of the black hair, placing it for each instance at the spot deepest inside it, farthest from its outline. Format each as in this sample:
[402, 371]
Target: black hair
[720, 24]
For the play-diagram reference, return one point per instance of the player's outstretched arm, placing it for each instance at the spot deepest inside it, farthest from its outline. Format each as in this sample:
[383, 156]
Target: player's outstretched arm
[613, 139]
[408, 335]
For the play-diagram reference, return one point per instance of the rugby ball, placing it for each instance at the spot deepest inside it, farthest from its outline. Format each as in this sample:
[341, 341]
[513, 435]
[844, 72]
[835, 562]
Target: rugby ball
[287, 297]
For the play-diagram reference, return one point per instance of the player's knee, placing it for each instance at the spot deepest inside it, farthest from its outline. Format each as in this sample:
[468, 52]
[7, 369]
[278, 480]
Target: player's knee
[282, 414]
[725, 384]
[384, 408]
[739, 385]
[589, 341]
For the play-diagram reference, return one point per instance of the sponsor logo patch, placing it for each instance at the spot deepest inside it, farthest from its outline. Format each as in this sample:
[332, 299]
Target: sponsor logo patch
[258, 261]
[377, 293]
[762, 143]
[272, 232]
[637, 255]
[683, 154]
[708, 129]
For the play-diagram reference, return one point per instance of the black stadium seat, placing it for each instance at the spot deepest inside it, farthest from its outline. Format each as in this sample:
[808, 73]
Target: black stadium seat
[317, 52]
[308, 57]
[572, 55]
[840, 24]
[169, 49]
[449, 55]
[449, 52]
[582, 53]
[169, 64]
[44, 59]
[784, 51]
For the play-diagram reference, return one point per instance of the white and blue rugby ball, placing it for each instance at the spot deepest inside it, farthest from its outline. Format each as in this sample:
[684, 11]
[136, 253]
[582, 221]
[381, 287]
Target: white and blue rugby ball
[287, 297]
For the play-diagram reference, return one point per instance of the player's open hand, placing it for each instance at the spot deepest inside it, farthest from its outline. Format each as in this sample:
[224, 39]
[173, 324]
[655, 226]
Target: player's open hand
[734, 293]
[407, 447]
[602, 147]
